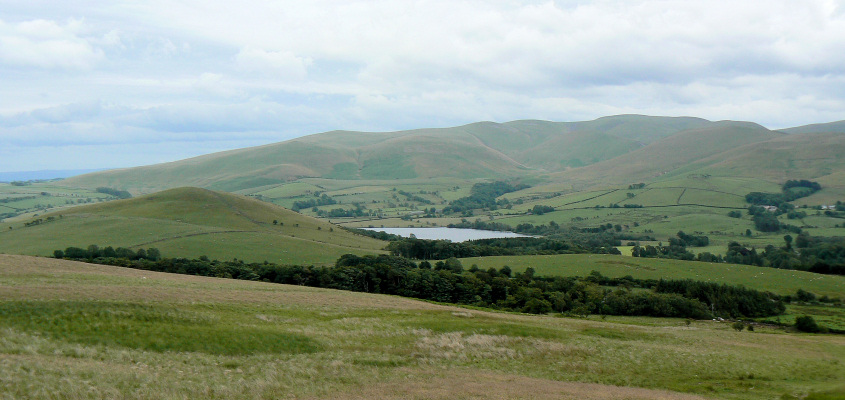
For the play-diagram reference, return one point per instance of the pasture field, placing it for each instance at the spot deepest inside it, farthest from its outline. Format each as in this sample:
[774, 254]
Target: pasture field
[379, 196]
[783, 282]
[21, 202]
[81, 331]
[693, 203]
[824, 315]
[736, 185]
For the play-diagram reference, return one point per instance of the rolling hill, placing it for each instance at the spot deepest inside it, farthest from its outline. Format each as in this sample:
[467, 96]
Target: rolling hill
[671, 155]
[838, 126]
[479, 150]
[693, 171]
[607, 151]
[190, 222]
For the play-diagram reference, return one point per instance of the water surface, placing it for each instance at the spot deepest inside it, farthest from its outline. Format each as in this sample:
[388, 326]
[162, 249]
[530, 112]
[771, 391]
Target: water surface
[443, 233]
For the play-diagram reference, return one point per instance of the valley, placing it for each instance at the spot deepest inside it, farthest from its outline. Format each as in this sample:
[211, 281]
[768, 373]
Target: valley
[590, 194]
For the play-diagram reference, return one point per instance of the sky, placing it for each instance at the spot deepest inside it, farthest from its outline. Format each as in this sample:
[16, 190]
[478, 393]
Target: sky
[108, 84]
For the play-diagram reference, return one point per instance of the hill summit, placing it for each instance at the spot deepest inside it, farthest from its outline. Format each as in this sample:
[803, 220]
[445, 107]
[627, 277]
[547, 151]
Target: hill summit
[478, 150]
[190, 222]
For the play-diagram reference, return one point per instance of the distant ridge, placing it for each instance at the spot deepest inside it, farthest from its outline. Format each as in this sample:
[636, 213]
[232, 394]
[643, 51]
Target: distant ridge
[480, 150]
[609, 150]
[837, 127]
[44, 174]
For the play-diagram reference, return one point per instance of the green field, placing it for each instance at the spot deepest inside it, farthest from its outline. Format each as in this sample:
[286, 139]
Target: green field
[784, 282]
[190, 223]
[18, 202]
[74, 330]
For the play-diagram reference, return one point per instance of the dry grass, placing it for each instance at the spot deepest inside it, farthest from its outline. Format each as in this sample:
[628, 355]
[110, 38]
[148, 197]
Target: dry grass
[461, 384]
[50, 279]
[372, 346]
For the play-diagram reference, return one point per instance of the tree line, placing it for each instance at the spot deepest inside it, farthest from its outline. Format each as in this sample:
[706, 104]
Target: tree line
[791, 190]
[822, 255]
[323, 200]
[598, 240]
[94, 252]
[424, 249]
[483, 195]
[120, 194]
[447, 281]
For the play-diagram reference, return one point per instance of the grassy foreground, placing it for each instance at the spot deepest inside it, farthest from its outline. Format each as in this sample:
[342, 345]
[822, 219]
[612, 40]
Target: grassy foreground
[75, 330]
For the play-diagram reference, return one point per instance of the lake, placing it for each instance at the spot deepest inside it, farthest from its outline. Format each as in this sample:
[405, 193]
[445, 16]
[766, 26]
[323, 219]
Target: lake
[442, 233]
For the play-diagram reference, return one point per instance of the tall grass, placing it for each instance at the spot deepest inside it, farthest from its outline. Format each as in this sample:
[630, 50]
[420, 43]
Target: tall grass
[158, 328]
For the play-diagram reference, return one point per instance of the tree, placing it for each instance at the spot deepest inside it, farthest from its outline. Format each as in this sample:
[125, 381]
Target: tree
[804, 296]
[153, 254]
[537, 306]
[454, 265]
[108, 252]
[806, 323]
[93, 251]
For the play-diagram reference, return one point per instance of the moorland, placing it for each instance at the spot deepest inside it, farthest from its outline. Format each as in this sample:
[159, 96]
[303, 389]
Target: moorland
[715, 202]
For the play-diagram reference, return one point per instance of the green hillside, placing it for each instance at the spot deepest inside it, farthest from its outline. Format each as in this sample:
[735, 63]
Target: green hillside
[189, 222]
[694, 172]
[809, 155]
[75, 330]
[838, 126]
[481, 150]
[669, 156]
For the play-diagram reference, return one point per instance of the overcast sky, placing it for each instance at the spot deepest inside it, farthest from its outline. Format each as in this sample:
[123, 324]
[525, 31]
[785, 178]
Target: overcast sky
[94, 84]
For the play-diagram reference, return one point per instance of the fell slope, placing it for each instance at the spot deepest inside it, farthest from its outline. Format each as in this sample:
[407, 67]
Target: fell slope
[668, 157]
[481, 150]
[837, 126]
[190, 222]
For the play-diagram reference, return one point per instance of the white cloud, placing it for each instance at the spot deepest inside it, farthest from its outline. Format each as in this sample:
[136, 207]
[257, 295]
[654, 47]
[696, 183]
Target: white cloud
[47, 44]
[283, 64]
[163, 70]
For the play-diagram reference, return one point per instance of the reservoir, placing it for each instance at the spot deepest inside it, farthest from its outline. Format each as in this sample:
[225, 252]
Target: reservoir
[443, 233]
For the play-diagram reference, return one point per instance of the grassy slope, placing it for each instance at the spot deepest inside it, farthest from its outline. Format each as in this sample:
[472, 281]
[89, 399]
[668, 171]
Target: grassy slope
[190, 222]
[197, 337]
[798, 156]
[481, 150]
[778, 281]
[838, 126]
[668, 155]
[691, 166]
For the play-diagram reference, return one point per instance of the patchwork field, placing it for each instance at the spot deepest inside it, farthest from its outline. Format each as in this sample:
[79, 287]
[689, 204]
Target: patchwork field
[23, 200]
[74, 330]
